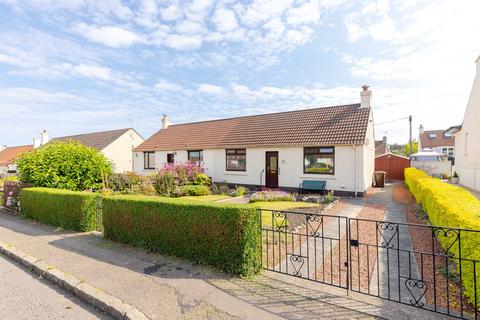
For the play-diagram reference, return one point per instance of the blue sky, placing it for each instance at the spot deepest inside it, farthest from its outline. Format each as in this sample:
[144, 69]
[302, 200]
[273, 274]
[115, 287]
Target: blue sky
[85, 65]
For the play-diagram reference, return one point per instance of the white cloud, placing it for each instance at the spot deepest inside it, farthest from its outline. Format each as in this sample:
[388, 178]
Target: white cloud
[209, 89]
[225, 20]
[111, 36]
[95, 72]
[181, 42]
[307, 13]
[190, 27]
[165, 85]
[171, 13]
[263, 10]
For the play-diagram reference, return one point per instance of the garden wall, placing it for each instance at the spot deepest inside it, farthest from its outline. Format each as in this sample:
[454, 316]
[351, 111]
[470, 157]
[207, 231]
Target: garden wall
[224, 236]
[451, 206]
[74, 210]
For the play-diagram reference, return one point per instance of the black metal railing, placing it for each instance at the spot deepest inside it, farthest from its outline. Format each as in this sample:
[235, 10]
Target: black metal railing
[429, 267]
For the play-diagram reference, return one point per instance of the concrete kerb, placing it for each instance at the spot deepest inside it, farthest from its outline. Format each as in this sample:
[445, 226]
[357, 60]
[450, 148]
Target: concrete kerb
[85, 292]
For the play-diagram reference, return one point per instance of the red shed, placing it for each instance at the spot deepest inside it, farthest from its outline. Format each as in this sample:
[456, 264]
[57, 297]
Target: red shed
[393, 165]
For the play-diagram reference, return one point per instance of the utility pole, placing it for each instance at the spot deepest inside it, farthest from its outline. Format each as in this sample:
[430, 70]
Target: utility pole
[411, 143]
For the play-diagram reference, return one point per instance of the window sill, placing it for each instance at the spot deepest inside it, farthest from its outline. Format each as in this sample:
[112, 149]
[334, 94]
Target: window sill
[236, 173]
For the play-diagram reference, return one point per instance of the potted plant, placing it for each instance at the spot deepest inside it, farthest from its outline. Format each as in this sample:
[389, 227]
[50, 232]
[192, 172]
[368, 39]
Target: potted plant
[454, 178]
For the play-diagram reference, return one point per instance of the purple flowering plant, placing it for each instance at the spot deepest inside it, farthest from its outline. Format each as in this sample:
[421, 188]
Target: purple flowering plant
[271, 196]
[183, 172]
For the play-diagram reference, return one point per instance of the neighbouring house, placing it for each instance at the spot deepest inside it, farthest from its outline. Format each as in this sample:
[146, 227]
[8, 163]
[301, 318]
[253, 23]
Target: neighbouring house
[432, 162]
[116, 145]
[440, 141]
[278, 150]
[381, 147]
[7, 159]
[467, 139]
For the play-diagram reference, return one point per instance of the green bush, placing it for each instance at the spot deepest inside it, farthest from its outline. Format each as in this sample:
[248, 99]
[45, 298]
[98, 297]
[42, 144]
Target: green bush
[73, 210]
[165, 184]
[202, 179]
[240, 191]
[220, 188]
[271, 196]
[123, 182]
[451, 206]
[224, 236]
[64, 165]
[195, 190]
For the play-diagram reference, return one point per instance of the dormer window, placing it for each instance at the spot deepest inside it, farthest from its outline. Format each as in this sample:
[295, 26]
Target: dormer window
[432, 135]
[447, 135]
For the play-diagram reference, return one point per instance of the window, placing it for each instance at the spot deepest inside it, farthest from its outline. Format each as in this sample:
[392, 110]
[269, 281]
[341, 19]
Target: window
[236, 159]
[149, 160]
[319, 160]
[195, 155]
[170, 158]
[432, 135]
[447, 135]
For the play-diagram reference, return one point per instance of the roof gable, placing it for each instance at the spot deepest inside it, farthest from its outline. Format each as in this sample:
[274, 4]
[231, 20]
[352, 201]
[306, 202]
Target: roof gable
[427, 141]
[337, 125]
[97, 140]
[9, 154]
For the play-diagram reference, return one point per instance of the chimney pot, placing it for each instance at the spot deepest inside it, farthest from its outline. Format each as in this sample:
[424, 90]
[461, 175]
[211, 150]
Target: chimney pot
[365, 97]
[384, 139]
[420, 129]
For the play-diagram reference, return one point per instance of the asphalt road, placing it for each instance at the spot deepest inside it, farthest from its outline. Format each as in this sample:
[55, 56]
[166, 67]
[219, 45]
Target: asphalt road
[24, 296]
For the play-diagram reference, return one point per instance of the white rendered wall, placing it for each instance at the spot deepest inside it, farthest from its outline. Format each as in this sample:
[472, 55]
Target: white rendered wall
[120, 152]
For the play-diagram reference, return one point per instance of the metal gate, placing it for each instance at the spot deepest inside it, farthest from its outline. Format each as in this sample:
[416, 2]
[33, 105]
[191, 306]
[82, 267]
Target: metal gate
[378, 258]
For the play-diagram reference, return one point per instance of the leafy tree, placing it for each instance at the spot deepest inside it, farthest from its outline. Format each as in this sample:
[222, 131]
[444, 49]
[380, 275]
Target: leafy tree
[64, 165]
[406, 148]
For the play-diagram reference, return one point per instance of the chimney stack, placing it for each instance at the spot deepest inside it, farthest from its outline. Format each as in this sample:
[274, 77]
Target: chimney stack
[43, 138]
[36, 143]
[365, 97]
[384, 139]
[165, 122]
[420, 129]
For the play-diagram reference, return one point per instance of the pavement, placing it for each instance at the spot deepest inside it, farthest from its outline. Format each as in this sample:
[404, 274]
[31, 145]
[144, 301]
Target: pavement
[163, 287]
[26, 296]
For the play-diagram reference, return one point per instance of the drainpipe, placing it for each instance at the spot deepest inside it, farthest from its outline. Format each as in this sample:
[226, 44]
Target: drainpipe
[355, 166]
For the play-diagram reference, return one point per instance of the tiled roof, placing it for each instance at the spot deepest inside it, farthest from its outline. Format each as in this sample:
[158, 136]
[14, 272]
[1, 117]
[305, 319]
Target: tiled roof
[338, 125]
[380, 147]
[9, 154]
[97, 140]
[439, 141]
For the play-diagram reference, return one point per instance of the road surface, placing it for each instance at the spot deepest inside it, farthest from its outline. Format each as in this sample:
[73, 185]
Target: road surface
[24, 296]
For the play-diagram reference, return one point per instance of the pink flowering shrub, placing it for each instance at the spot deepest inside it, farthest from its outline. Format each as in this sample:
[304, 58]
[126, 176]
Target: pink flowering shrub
[183, 173]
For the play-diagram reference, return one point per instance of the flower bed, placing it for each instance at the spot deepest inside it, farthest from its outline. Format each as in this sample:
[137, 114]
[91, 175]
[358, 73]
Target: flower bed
[271, 196]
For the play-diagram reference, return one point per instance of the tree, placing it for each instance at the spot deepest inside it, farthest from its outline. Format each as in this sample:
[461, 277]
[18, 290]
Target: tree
[64, 165]
[406, 149]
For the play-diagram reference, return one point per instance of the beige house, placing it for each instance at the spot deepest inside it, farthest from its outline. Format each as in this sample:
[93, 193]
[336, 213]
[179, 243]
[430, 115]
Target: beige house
[335, 145]
[467, 137]
[116, 145]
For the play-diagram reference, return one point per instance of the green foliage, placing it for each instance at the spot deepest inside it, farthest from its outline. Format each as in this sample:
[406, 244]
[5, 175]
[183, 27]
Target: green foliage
[220, 188]
[224, 236]
[165, 184]
[123, 182]
[74, 210]
[201, 179]
[451, 206]
[195, 190]
[240, 191]
[329, 197]
[405, 151]
[64, 165]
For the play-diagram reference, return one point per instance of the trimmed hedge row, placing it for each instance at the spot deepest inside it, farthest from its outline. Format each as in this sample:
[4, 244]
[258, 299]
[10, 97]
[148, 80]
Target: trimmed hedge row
[72, 210]
[451, 206]
[224, 236]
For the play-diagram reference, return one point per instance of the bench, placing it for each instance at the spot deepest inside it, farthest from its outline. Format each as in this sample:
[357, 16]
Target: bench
[312, 185]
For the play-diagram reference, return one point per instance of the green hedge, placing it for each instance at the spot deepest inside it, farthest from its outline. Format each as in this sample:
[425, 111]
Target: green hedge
[451, 206]
[71, 210]
[224, 236]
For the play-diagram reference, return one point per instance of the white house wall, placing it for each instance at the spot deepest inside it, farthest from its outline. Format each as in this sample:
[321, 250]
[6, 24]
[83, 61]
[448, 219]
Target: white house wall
[290, 166]
[467, 150]
[120, 151]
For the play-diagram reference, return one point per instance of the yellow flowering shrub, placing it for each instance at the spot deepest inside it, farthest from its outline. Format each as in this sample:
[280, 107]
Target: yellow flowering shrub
[451, 206]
